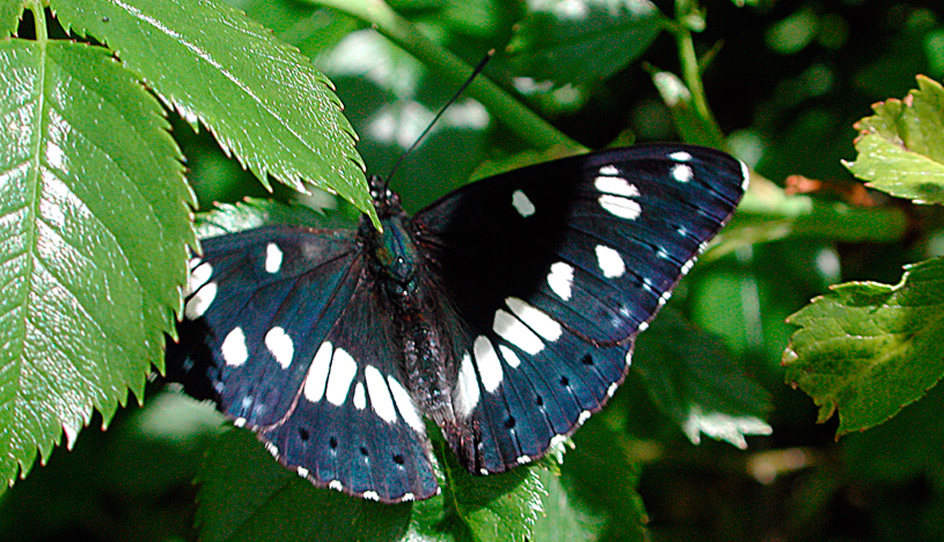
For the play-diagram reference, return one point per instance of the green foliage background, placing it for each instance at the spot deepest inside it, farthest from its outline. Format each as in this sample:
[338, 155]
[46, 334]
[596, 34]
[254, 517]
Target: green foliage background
[714, 436]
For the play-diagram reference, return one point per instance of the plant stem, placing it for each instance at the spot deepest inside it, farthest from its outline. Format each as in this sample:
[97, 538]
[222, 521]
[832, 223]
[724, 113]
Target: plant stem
[510, 111]
[39, 21]
[691, 70]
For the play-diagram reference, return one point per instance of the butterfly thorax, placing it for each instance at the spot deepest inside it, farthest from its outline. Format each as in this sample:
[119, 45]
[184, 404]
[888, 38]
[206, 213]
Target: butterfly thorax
[397, 264]
[394, 251]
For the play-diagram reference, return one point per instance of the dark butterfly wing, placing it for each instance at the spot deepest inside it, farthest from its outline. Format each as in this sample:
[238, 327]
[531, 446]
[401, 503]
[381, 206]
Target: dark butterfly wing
[355, 427]
[555, 268]
[278, 320]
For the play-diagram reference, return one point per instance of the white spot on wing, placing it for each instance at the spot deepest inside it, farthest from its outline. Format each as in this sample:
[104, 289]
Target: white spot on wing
[280, 345]
[511, 358]
[681, 156]
[318, 373]
[610, 262]
[343, 369]
[199, 276]
[380, 398]
[360, 397]
[488, 363]
[234, 348]
[371, 495]
[405, 405]
[198, 304]
[522, 204]
[682, 173]
[273, 261]
[523, 459]
[467, 388]
[609, 169]
[561, 280]
[514, 331]
[619, 206]
[535, 318]
[336, 485]
[617, 186]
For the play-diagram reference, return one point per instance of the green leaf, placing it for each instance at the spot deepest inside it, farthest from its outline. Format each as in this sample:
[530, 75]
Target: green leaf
[270, 108]
[601, 475]
[869, 349]
[10, 11]
[901, 147]
[245, 495]
[94, 237]
[562, 521]
[572, 42]
[482, 508]
[693, 380]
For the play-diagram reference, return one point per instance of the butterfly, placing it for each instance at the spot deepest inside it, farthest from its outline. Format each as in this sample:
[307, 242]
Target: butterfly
[505, 313]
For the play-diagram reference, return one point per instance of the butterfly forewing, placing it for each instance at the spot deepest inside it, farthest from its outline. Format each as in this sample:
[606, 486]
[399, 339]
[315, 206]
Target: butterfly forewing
[556, 268]
[264, 297]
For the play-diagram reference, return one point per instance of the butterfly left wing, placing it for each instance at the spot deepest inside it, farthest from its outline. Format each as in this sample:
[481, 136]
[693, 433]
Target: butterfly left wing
[354, 427]
[285, 331]
[555, 268]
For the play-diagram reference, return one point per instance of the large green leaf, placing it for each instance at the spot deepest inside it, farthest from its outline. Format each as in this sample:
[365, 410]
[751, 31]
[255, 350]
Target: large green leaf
[245, 495]
[901, 147]
[94, 225]
[601, 475]
[694, 381]
[869, 349]
[10, 11]
[262, 99]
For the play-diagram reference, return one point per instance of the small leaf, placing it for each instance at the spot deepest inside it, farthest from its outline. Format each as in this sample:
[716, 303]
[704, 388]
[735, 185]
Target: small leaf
[869, 349]
[570, 42]
[261, 99]
[10, 11]
[93, 239]
[496, 508]
[693, 126]
[901, 147]
[694, 381]
[246, 495]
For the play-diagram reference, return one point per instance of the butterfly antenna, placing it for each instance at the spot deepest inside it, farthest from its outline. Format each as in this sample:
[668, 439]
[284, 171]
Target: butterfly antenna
[475, 72]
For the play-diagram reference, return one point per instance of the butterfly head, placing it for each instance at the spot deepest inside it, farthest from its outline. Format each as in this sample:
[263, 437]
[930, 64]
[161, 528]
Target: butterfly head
[386, 202]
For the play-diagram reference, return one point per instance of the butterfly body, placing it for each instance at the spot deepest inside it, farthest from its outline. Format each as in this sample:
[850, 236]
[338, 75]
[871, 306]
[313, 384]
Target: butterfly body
[505, 313]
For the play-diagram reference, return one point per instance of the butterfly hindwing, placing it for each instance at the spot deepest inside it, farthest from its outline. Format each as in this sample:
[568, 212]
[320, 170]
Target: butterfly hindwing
[354, 426]
[556, 268]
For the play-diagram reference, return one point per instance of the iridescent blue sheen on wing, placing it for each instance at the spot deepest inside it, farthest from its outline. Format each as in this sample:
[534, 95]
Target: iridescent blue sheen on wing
[505, 313]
